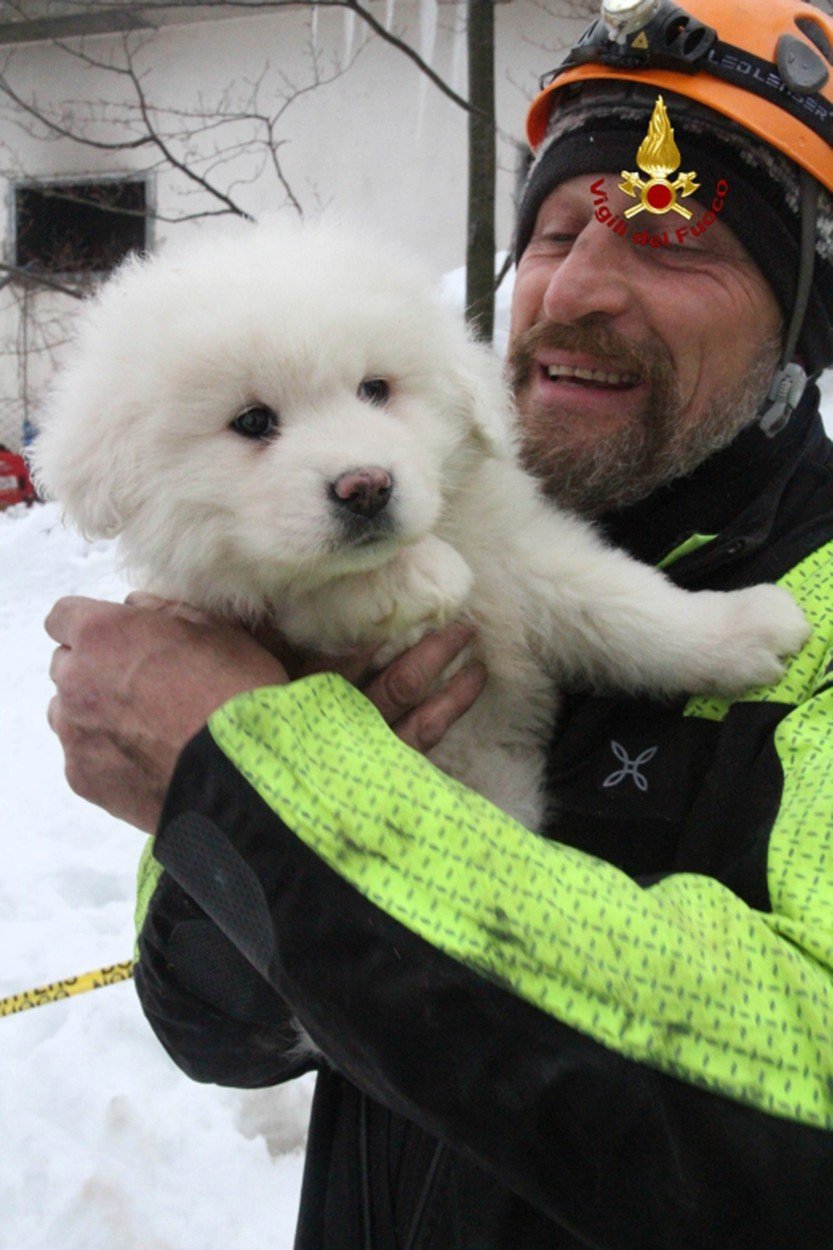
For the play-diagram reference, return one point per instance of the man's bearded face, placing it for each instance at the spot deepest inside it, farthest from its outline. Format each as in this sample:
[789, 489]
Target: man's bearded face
[626, 464]
[631, 365]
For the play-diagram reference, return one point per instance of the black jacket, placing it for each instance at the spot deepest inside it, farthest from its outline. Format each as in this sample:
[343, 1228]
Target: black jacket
[621, 1039]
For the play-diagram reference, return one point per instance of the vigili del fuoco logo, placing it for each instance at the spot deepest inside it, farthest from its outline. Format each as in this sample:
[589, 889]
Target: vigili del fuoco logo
[658, 156]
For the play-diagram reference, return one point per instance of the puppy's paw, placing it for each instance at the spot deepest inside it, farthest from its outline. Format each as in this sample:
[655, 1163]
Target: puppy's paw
[762, 626]
[382, 611]
[428, 585]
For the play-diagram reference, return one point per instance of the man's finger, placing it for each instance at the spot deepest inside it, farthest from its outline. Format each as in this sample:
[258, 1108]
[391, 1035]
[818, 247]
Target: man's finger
[405, 683]
[428, 724]
[144, 599]
[59, 656]
[59, 622]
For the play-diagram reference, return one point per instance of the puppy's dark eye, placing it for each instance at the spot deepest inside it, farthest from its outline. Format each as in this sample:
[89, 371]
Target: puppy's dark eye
[375, 391]
[257, 421]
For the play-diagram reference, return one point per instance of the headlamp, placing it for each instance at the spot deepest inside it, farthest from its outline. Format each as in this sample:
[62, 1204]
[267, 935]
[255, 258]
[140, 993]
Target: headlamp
[626, 17]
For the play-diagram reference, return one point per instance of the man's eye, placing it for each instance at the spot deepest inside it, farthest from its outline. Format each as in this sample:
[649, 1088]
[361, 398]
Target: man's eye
[374, 391]
[257, 421]
[552, 243]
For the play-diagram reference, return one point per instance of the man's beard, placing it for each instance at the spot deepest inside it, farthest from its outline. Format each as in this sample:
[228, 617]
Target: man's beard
[654, 448]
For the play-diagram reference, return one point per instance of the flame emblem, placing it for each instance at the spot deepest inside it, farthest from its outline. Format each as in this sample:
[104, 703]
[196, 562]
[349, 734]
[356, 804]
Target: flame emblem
[658, 156]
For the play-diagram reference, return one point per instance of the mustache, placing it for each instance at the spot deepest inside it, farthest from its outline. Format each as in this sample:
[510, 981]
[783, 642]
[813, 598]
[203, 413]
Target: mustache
[649, 358]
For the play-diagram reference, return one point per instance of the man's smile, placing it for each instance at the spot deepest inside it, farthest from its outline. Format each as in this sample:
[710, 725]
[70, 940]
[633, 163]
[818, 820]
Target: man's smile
[588, 383]
[605, 378]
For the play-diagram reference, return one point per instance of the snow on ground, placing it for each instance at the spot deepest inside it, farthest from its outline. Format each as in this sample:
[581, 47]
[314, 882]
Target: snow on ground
[106, 1146]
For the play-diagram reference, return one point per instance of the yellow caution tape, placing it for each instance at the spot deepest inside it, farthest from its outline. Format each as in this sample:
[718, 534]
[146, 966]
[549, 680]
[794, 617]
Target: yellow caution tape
[66, 988]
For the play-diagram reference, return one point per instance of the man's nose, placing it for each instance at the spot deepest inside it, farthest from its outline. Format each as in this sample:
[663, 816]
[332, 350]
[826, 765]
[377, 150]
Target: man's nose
[593, 277]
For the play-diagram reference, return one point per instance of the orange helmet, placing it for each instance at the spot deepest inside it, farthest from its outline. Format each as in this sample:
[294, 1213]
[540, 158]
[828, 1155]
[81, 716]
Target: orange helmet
[766, 64]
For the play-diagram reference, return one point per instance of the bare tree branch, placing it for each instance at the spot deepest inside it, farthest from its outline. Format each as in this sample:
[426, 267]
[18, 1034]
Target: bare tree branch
[177, 136]
[405, 48]
[23, 274]
[57, 128]
[181, 166]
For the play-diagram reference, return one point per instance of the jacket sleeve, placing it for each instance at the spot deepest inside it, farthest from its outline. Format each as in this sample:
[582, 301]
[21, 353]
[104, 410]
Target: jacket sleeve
[215, 1015]
[647, 1063]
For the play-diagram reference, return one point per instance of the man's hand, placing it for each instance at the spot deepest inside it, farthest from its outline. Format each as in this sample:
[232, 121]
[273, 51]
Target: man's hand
[403, 691]
[408, 692]
[134, 682]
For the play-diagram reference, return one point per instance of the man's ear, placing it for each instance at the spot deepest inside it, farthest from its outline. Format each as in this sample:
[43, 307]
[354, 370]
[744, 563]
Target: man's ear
[486, 399]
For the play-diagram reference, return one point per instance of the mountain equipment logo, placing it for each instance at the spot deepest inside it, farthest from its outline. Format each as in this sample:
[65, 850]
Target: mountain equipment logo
[658, 156]
[630, 768]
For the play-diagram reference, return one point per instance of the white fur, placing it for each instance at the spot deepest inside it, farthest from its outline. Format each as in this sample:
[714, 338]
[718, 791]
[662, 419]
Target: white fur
[136, 441]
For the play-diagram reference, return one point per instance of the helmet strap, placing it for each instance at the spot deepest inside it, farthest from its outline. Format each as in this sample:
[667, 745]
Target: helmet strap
[791, 379]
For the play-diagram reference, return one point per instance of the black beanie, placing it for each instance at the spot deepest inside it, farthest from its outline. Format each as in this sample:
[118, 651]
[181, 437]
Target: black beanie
[600, 132]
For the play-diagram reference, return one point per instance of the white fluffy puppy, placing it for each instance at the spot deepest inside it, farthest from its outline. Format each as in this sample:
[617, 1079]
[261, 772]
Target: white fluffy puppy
[285, 423]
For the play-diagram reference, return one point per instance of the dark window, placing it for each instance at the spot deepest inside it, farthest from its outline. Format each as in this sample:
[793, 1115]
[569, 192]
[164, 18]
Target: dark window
[78, 227]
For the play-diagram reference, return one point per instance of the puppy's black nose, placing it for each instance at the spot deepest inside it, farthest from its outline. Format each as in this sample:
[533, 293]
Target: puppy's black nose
[364, 492]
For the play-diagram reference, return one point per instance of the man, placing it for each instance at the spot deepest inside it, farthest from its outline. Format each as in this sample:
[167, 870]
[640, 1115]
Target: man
[619, 1038]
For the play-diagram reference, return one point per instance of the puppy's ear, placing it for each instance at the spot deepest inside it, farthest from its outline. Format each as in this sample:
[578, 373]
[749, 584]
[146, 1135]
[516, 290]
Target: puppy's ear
[82, 462]
[92, 434]
[486, 400]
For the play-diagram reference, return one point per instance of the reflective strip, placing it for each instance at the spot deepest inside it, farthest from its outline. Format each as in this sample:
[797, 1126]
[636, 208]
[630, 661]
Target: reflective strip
[693, 543]
[800, 864]
[147, 879]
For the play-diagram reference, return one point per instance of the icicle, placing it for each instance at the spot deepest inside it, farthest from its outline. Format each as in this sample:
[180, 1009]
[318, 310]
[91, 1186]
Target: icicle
[459, 74]
[349, 36]
[313, 27]
[428, 13]
[390, 8]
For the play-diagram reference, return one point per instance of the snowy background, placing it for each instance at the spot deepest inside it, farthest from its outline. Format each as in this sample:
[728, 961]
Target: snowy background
[105, 1145]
